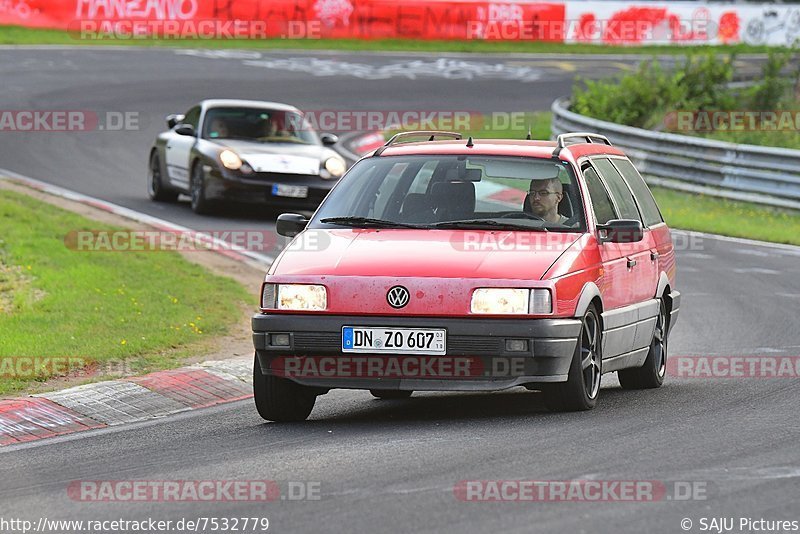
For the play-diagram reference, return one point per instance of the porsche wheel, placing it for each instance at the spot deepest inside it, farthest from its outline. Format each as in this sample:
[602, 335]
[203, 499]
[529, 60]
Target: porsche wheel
[197, 185]
[155, 186]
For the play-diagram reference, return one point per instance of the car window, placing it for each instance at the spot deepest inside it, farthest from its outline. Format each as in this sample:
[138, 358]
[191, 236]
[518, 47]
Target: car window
[387, 187]
[192, 117]
[601, 202]
[432, 189]
[423, 177]
[260, 125]
[619, 190]
[641, 192]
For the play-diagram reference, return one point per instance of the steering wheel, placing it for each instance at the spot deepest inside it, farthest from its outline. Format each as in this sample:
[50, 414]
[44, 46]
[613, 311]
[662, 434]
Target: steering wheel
[520, 215]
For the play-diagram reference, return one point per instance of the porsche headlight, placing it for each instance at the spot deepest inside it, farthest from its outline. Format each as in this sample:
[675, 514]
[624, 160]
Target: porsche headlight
[511, 301]
[230, 160]
[295, 297]
[335, 167]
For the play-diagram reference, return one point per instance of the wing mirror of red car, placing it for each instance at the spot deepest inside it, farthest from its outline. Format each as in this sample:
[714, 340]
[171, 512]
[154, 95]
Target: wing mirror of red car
[185, 129]
[620, 231]
[290, 224]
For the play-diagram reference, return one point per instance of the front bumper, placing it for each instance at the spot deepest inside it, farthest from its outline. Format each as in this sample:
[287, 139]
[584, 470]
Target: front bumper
[256, 188]
[481, 342]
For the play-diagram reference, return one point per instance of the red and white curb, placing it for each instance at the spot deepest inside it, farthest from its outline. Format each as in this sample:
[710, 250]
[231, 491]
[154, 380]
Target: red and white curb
[129, 400]
[134, 399]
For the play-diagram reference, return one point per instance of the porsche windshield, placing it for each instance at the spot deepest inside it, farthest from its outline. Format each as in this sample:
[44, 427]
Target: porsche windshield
[258, 124]
[448, 191]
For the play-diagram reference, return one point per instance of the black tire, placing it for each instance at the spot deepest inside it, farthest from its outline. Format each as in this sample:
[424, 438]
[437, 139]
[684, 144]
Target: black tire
[197, 190]
[155, 185]
[651, 374]
[582, 387]
[280, 399]
[390, 393]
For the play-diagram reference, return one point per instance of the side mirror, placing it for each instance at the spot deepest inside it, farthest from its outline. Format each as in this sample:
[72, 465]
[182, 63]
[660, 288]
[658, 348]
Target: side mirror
[185, 129]
[290, 224]
[621, 231]
[328, 139]
[173, 120]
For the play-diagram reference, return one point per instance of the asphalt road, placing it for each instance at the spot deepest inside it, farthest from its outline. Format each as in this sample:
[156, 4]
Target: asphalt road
[392, 465]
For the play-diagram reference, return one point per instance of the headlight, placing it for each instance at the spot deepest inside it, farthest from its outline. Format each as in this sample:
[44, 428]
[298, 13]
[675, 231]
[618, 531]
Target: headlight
[230, 160]
[509, 301]
[335, 166]
[297, 297]
[541, 302]
[500, 301]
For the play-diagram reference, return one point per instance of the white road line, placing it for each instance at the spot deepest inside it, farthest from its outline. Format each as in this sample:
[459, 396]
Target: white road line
[755, 270]
[779, 246]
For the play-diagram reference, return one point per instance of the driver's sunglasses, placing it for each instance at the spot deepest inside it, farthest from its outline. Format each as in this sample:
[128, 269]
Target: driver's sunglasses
[542, 193]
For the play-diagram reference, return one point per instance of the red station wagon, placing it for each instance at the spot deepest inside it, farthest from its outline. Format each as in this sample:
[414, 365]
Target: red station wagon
[452, 265]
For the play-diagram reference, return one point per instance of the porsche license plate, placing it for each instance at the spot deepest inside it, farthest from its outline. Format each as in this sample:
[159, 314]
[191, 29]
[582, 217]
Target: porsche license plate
[292, 191]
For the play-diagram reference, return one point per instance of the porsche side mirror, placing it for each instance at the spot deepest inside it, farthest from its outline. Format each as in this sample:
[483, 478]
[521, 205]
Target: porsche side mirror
[185, 129]
[329, 139]
[173, 120]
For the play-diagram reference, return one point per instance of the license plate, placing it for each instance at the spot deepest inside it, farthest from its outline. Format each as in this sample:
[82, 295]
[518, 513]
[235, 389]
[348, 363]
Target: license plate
[394, 340]
[293, 191]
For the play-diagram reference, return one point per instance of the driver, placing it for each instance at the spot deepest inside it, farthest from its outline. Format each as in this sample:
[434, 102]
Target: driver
[218, 129]
[543, 198]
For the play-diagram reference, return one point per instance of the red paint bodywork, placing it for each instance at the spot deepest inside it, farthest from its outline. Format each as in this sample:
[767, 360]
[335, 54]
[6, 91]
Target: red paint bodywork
[443, 267]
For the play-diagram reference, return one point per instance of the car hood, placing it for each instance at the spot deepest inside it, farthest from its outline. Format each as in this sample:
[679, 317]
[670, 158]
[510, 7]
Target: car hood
[423, 253]
[287, 158]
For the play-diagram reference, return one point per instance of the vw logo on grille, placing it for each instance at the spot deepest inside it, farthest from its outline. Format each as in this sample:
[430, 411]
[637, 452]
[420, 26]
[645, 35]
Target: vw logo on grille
[397, 297]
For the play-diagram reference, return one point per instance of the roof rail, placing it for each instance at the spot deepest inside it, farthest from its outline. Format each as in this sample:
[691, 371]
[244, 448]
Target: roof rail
[416, 133]
[561, 140]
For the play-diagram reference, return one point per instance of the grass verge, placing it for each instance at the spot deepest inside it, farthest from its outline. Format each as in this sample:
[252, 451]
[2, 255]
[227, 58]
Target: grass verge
[137, 311]
[17, 35]
[728, 217]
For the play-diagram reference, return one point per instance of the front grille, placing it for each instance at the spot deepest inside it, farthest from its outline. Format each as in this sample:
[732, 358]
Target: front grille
[317, 341]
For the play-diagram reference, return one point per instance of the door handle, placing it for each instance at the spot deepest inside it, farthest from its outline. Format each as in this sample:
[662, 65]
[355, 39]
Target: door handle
[631, 263]
[654, 255]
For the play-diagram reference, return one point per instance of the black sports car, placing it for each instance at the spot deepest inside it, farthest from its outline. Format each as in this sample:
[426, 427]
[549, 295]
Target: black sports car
[243, 150]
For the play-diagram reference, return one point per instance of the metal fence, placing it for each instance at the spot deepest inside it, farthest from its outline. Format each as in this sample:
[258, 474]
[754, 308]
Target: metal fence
[766, 175]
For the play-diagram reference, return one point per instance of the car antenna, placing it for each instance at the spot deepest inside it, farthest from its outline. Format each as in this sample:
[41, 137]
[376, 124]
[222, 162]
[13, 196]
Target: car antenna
[528, 137]
[470, 144]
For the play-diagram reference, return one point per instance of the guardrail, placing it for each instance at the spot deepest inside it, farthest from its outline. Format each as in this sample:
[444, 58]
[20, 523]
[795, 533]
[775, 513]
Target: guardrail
[761, 174]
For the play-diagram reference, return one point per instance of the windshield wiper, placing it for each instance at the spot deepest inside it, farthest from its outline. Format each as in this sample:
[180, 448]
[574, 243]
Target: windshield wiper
[367, 222]
[493, 224]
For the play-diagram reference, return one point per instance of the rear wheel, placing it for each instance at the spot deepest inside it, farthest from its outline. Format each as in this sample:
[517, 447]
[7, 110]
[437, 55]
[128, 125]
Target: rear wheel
[390, 393]
[582, 387]
[652, 373]
[280, 399]
[155, 187]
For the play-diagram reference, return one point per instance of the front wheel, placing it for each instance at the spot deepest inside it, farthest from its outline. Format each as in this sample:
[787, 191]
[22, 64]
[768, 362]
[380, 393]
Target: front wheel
[582, 387]
[651, 374]
[197, 185]
[390, 393]
[280, 399]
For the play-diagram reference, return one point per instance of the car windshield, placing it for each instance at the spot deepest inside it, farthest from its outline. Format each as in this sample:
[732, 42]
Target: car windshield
[450, 191]
[258, 124]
